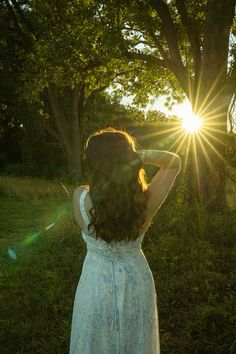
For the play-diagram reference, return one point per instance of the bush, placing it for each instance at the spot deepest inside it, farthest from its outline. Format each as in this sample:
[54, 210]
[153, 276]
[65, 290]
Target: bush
[15, 170]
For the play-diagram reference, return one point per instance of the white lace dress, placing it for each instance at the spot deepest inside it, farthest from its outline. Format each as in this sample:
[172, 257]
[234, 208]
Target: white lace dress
[115, 308]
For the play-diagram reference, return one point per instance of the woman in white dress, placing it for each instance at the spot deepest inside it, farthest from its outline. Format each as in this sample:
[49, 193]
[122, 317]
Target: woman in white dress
[115, 305]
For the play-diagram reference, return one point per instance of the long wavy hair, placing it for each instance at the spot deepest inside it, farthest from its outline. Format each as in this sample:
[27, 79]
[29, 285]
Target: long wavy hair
[117, 185]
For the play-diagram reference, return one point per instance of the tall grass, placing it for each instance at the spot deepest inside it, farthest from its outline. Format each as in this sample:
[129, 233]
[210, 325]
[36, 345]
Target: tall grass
[33, 188]
[38, 188]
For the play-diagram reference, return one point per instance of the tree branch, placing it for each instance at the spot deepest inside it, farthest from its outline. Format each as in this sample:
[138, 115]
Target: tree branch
[149, 58]
[15, 20]
[22, 16]
[193, 36]
[169, 29]
[159, 47]
[132, 29]
[175, 63]
[92, 96]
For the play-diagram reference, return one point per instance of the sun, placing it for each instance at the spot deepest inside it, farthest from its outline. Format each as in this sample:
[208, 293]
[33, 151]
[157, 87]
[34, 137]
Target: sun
[191, 123]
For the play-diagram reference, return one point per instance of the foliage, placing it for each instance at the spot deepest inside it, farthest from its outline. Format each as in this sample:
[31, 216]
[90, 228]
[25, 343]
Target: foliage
[34, 152]
[28, 148]
[177, 41]
[62, 55]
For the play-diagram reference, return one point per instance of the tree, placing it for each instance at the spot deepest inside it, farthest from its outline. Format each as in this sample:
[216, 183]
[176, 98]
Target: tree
[192, 45]
[67, 63]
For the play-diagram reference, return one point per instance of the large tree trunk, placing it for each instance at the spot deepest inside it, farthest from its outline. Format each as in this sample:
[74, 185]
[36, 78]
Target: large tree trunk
[208, 153]
[65, 108]
[74, 158]
[75, 154]
[211, 100]
[207, 176]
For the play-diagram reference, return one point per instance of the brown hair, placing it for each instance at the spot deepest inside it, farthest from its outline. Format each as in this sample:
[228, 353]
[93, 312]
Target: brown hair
[118, 186]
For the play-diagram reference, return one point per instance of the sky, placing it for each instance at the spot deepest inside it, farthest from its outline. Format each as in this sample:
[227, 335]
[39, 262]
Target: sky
[182, 110]
[179, 110]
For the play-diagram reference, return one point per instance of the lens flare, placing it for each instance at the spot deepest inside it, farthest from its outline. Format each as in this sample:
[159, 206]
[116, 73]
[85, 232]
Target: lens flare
[61, 211]
[50, 226]
[11, 253]
[31, 238]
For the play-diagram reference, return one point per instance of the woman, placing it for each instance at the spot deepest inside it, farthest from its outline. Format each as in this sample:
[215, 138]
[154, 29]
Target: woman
[115, 307]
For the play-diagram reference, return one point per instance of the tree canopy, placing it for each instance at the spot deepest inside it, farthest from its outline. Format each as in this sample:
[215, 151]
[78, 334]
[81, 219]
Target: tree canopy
[59, 55]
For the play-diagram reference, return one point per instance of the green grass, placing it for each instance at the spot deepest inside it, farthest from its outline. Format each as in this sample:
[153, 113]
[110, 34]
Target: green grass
[191, 254]
[33, 188]
[37, 288]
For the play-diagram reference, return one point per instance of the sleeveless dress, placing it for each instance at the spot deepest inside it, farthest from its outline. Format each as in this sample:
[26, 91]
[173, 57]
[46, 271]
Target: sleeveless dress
[115, 305]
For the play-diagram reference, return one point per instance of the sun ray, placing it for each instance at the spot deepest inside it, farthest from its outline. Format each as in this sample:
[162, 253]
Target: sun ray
[213, 137]
[187, 154]
[217, 130]
[197, 93]
[190, 87]
[168, 130]
[206, 106]
[213, 148]
[213, 113]
[196, 166]
[176, 141]
[150, 135]
[181, 144]
[208, 160]
[172, 135]
[201, 111]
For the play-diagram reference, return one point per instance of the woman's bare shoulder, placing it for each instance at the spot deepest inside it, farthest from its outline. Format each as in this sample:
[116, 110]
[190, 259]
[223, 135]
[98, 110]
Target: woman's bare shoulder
[76, 204]
[79, 189]
[77, 193]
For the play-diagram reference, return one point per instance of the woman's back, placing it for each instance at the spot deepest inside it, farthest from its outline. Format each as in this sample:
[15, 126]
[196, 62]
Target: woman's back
[115, 309]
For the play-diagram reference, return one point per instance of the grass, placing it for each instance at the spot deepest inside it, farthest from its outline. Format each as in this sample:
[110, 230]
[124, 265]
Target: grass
[191, 255]
[38, 285]
[33, 188]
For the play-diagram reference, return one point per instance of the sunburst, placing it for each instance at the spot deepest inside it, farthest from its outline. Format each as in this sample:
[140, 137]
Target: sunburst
[192, 123]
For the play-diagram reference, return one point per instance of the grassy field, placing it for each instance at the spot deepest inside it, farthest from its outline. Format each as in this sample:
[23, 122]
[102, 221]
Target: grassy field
[40, 264]
[191, 255]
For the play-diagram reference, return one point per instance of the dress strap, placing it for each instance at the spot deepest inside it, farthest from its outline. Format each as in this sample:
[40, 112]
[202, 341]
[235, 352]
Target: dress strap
[82, 208]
